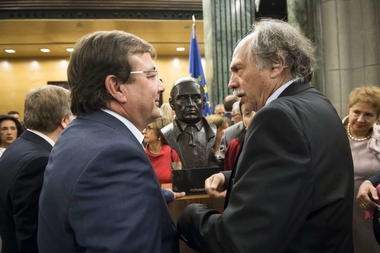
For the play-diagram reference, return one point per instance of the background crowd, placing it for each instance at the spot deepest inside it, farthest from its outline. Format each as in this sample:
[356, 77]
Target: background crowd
[289, 165]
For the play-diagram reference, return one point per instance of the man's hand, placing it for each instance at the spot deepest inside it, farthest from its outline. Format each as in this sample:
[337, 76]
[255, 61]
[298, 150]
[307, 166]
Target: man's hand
[177, 194]
[214, 186]
[367, 194]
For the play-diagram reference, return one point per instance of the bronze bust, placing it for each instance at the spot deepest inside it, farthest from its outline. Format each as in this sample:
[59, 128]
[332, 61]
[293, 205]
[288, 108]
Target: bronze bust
[190, 135]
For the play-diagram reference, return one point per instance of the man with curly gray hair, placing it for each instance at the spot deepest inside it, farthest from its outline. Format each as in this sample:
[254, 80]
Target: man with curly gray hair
[291, 189]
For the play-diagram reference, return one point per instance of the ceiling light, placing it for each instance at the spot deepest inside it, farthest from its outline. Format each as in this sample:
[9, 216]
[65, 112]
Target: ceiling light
[70, 49]
[45, 50]
[180, 49]
[10, 51]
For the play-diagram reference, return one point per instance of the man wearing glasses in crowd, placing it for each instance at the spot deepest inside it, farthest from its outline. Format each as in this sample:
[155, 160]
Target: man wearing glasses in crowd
[100, 190]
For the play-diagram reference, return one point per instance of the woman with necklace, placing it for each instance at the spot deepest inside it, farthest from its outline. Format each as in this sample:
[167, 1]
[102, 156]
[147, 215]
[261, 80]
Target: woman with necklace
[158, 150]
[363, 132]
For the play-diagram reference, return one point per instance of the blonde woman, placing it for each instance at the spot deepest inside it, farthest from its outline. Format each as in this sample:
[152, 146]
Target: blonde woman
[363, 133]
[160, 154]
[221, 124]
[167, 111]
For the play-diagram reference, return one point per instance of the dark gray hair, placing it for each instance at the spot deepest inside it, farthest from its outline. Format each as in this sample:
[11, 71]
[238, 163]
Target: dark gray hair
[96, 56]
[272, 38]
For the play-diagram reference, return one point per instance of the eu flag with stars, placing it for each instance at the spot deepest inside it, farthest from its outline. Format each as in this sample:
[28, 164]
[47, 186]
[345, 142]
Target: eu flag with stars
[196, 70]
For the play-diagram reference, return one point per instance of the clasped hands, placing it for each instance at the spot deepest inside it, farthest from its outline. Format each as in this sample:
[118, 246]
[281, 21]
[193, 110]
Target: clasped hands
[367, 195]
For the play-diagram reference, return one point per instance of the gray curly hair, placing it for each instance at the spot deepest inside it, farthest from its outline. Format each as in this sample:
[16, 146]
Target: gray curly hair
[271, 39]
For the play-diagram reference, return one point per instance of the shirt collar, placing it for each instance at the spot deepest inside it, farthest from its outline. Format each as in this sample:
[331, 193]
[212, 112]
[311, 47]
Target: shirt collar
[43, 136]
[139, 136]
[183, 125]
[277, 93]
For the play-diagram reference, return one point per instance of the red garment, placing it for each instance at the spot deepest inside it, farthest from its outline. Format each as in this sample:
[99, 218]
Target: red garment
[232, 153]
[161, 163]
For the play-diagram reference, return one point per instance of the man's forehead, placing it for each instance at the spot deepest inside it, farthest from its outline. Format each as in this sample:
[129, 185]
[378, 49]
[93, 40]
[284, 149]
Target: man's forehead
[188, 87]
[142, 60]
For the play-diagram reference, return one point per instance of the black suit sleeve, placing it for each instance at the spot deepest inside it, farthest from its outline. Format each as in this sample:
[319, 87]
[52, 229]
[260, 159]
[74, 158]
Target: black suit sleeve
[25, 194]
[375, 179]
[270, 197]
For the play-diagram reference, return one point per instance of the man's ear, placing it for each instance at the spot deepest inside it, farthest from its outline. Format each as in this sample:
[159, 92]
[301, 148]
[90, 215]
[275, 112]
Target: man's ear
[278, 67]
[114, 88]
[63, 122]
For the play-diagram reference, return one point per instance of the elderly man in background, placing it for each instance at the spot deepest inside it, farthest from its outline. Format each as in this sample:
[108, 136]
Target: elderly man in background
[219, 109]
[47, 113]
[292, 187]
[228, 102]
[235, 113]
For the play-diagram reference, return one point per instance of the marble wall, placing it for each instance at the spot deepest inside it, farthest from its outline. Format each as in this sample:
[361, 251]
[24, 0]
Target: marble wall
[347, 33]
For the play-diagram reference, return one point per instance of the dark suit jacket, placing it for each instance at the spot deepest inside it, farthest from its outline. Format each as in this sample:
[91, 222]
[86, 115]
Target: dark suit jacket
[293, 184]
[230, 133]
[375, 179]
[101, 194]
[21, 174]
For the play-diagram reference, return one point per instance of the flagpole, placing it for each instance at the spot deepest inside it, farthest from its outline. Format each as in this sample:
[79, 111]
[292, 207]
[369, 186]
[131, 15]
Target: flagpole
[195, 66]
[193, 30]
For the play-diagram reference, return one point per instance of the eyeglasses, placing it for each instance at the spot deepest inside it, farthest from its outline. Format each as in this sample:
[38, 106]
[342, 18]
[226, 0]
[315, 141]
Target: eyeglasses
[147, 129]
[151, 74]
[234, 115]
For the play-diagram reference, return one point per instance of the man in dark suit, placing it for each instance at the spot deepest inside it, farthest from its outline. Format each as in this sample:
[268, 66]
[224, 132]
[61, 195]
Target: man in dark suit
[228, 102]
[47, 113]
[100, 192]
[292, 187]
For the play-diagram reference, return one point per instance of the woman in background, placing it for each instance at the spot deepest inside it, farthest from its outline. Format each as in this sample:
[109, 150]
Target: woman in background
[221, 124]
[158, 150]
[363, 133]
[234, 147]
[167, 111]
[10, 129]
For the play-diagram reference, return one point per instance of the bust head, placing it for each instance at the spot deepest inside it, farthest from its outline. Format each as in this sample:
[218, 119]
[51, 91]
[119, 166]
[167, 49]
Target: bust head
[187, 100]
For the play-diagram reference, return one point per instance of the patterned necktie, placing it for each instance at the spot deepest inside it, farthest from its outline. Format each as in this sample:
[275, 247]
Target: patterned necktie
[191, 129]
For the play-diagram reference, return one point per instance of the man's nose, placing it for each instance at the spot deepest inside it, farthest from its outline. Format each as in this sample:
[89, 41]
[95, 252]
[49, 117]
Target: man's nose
[190, 101]
[160, 85]
[232, 83]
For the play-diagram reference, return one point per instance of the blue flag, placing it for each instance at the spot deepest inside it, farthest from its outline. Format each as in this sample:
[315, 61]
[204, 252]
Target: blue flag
[196, 70]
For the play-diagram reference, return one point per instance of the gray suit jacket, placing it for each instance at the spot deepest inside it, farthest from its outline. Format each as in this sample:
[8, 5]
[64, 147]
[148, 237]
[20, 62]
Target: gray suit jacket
[230, 133]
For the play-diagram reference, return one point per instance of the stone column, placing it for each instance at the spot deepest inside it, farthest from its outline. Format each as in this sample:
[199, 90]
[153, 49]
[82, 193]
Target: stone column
[304, 15]
[225, 22]
[347, 34]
